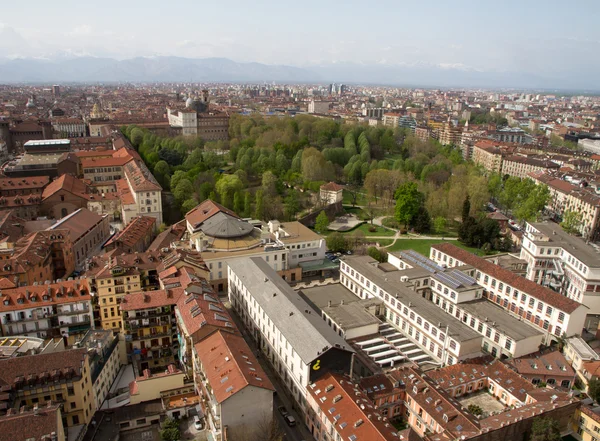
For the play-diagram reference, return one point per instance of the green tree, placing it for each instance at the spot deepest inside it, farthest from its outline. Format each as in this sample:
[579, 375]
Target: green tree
[247, 203]
[545, 429]
[535, 202]
[475, 409]
[188, 204]
[183, 191]
[238, 202]
[408, 201]
[177, 176]
[466, 208]
[291, 205]
[439, 224]
[571, 221]
[315, 167]
[336, 242]
[593, 389]
[269, 183]
[170, 430]
[259, 205]
[421, 221]
[226, 186]
[378, 254]
[322, 222]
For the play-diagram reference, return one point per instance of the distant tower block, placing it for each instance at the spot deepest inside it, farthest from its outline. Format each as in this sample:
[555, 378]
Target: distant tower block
[56, 90]
[205, 96]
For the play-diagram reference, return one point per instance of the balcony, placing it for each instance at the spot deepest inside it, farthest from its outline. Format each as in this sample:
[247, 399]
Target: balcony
[72, 312]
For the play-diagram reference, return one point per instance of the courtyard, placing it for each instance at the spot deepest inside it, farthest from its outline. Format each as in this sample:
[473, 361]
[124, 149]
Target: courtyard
[484, 400]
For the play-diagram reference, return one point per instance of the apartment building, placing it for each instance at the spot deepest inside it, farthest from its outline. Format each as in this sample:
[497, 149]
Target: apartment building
[38, 257]
[237, 394]
[69, 127]
[150, 329]
[304, 245]
[146, 192]
[61, 309]
[63, 376]
[461, 296]
[137, 236]
[488, 156]
[105, 363]
[48, 423]
[549, 311]
[88, 231]
[548, 367]
[334, 412]
[300, 346]
[567, 264]
[321, 107]
[586, 423]
[521, 166]
[391, 119]
[112, 283]
[63, 196]
[442, 336]
[566, 196]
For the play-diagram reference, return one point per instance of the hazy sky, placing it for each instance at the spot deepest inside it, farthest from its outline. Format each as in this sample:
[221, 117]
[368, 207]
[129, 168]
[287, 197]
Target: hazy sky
[526, 35]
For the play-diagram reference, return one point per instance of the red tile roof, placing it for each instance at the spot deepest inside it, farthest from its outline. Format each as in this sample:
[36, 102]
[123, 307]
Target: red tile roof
[136, 230]
[33, 182]
[150, 299]
[332, 186]
[204, 211]
[67, 183]
[26, 297]
[333, 391]
[521, 283]
[230, 365]
[29, 426]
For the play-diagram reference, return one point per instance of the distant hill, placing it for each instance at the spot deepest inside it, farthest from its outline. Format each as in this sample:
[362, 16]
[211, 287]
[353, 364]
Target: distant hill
[178, 69]
[146, 69]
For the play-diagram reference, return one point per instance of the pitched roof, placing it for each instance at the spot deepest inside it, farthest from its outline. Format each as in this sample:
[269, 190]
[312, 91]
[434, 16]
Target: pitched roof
[67, 183]
[150, 299]
[78, 223]
[135, 231]
[549, 363]
[33, 182]
[205, 211]
[230, 365]
[140, 178]
[509, 278]
[39, 296]
[332, 186]
[341, 403]
[29, 426]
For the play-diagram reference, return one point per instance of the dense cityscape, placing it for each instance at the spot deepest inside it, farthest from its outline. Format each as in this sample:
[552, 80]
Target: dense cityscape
[389, 238]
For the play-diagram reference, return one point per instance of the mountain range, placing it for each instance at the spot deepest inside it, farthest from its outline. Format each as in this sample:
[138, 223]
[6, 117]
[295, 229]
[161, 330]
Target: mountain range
[177, 69]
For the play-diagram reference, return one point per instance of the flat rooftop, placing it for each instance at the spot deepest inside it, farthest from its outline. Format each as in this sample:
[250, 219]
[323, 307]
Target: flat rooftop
[392, 285]
[352, 315]
[574, 245]
[516, 329]
[336, 293]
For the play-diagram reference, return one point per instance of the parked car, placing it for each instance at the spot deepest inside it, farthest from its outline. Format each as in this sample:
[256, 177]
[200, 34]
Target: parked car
[198, 424]
[282, 410]
[290, 420]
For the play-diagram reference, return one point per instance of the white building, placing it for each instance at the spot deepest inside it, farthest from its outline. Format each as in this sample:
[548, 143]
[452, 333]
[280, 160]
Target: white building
[440, 335]
[297, 342]
[318, 106]
[554, 314]
[331, 193]
[564, 263]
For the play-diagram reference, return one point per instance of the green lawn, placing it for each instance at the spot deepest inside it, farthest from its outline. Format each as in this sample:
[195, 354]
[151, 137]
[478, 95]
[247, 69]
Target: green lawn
[423, 245]
[356, 211]
[380, 231]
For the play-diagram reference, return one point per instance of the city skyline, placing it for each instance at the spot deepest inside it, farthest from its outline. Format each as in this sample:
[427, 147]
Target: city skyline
[470, 41]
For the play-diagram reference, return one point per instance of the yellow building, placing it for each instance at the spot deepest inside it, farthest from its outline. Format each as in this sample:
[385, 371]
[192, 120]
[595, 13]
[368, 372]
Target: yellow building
[112, 283]
[63, 377]
[586, 424]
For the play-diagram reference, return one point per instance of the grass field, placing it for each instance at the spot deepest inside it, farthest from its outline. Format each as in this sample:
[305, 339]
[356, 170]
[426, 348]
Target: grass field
[423, 245]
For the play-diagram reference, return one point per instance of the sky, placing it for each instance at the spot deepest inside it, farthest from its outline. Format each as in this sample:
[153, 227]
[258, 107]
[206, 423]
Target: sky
[528, 36]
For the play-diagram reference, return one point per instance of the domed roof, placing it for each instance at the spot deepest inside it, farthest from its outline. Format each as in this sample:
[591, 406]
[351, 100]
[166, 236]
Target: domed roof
[30, 103]
[189, 102]
[224, 226]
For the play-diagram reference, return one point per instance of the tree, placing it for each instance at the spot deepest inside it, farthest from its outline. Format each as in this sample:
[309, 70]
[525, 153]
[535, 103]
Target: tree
[421, 221]
[408, 201]
[269, 183]
[593, 389]
[315, 167]
[466, 208]
[188, 204]
[238, 202]
[259, 207]
[475, 409]
[378, 254]
[545, 429]
[247, 203]
[571, 221]
[226, 186]
[322, 222]
[183, 191]
[170, 430]
[336, 242]
[291, 205]
[536, 199]
[439, 224]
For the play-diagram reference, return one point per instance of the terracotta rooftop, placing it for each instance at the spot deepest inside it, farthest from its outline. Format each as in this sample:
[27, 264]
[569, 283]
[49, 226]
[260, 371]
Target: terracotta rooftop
[67, 183]
[332, 186]
[549, 363]
[150, 299]
[31, 426]
[39, 296]
[33, 182]
[230, 365]
[340, 402]
[205, 211]
[135, 231]
[78, 223]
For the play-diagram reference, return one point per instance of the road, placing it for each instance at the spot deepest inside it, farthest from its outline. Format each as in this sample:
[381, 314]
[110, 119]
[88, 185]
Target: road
[300, 431]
